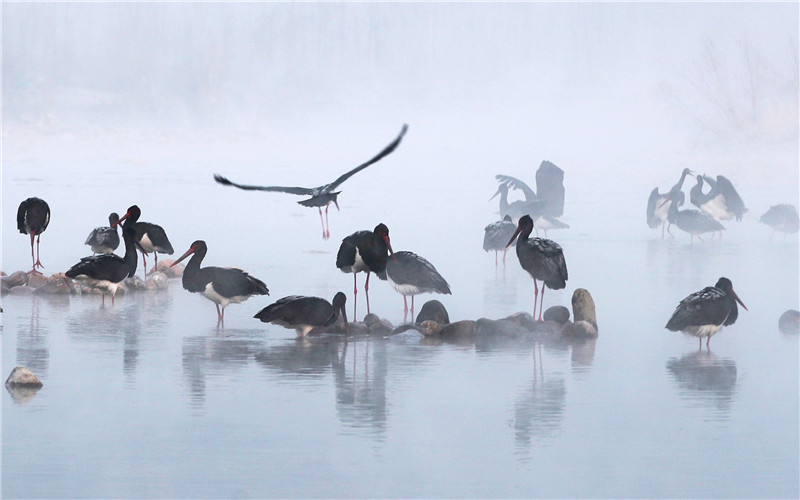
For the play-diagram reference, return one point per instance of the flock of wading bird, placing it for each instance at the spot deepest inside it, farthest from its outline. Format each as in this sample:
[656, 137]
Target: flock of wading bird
[700, 314]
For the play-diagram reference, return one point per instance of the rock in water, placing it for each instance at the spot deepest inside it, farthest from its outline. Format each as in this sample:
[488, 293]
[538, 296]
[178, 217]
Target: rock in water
[22, 377]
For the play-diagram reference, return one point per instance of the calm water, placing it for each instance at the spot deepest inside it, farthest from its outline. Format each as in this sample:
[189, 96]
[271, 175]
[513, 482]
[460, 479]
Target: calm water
[149, 399]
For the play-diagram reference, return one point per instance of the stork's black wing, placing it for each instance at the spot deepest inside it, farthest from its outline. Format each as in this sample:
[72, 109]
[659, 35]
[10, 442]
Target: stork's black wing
[386, 151]
[283, 189]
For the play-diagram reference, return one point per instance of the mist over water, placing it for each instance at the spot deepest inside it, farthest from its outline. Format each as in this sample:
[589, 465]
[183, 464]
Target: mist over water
[109, 105]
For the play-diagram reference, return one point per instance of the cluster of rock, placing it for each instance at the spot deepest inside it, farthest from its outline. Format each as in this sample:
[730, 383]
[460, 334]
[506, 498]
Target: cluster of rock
[30, 283]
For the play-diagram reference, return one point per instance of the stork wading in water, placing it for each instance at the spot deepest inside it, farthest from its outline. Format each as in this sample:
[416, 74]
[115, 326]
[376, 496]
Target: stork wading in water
[693, 222]
[220, 285]
[496, 235]
[410, 274]
[542, 258]
[149, 238]
[105, 272]
[658, 204]
[303, 314]
[364, 251]
[704, 313]
[321, 196]
[782, 218]
[33, 216]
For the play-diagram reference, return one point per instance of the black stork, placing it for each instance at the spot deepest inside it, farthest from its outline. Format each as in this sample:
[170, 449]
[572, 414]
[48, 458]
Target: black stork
[704, 313]
[33, 216]
[321, 196]
[496, 235]
[782, 218]
[542, 258]
[152, 238]
[303, 314]
[220, 285]
[104, 239]
[693, 222]
[106, 272]
[722, 202]
[518, 208]
[411, 274]
[658, 204]
[364, 251]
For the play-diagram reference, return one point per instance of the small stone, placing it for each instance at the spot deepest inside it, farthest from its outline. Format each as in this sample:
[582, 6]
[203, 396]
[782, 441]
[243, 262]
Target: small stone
[22, 377]
[559, 314]
[157, 281]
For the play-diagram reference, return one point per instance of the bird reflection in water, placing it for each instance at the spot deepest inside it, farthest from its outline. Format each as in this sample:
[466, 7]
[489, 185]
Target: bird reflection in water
[702, 376]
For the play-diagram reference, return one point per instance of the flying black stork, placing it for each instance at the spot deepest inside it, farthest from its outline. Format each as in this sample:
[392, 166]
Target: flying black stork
[410, 274]
[152, 238]
[104, 239]
[496, 235]
[693, 222]
[303, 314]
[782, 218]
[704, 313]
[105, 272]
[658, 204]
[220, 285]
[364, 251]
[321, 196]
[722, 202]
[33, 216]
[542, 258]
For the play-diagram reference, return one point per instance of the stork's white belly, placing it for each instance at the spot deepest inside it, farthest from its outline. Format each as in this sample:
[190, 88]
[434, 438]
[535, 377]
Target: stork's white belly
[223, 301]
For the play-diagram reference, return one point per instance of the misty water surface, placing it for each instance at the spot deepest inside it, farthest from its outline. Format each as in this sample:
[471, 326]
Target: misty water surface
[109, 105]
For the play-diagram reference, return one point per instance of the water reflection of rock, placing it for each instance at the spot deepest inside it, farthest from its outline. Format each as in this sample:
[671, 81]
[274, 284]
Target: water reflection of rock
[705, 377]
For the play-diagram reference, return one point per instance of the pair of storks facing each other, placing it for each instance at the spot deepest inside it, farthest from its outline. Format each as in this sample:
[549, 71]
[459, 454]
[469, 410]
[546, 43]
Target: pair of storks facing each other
[721, 202]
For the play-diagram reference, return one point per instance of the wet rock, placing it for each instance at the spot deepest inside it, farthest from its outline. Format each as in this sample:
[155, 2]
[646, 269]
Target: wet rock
[583, 311]
[157, 280]
[169, 272]
[22, 290]
[789, 322]
[56, 284]
[559, 314]
[36, 280]
[18, 278]
[523, 320]
[133, 284]
[376, 325]
[22, 377]
[433, 310]
[430, 327]
[460, 330]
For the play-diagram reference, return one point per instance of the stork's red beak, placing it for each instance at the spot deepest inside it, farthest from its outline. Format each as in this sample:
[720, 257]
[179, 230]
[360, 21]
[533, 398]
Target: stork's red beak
[188, 253]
